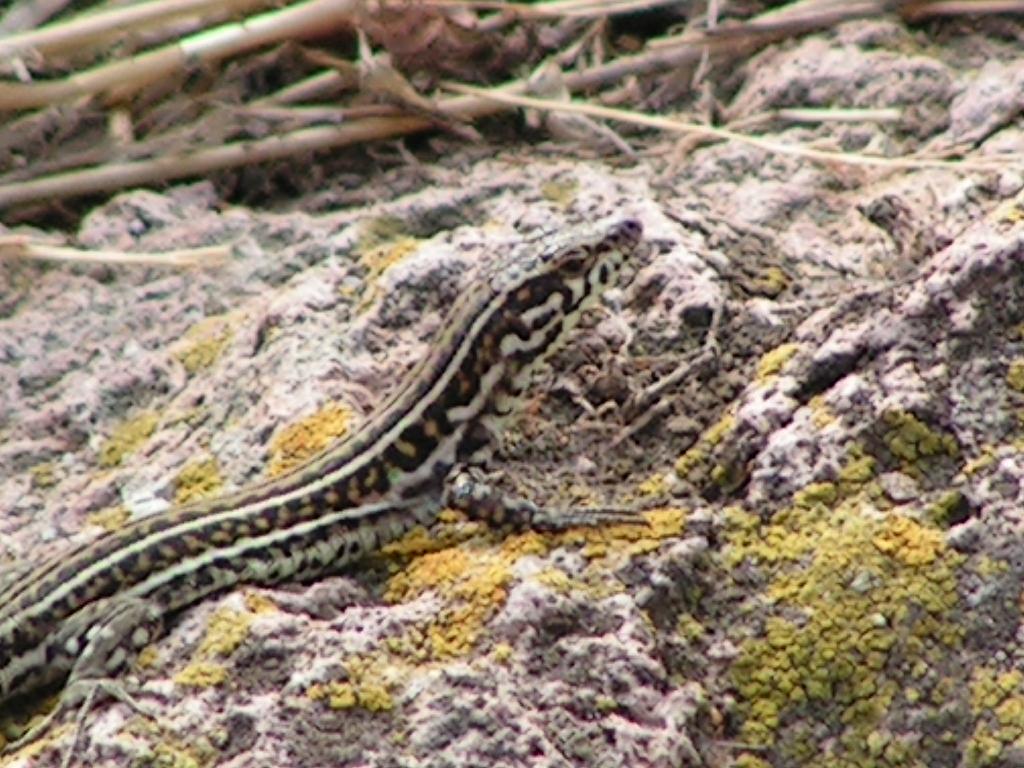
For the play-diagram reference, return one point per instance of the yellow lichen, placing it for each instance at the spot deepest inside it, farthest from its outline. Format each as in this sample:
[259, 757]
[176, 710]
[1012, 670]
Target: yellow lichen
[175, 756]
[1015, 375]
[109, 518]
[257, 602]
[560, 191]
[198, 480]
[821, 414]
[203, 343]
[44, 474]
[226, 630]
[368, 686]
[774, 360]
[147, 657]
[378, 260]
[337, 694]
[700, 451]
[554, 579]
[985, 459]
[297, 443]
[627, 538]
[770, 281]
[382, 243]
[910, 542]
[127, 438]
[857, 593]
[379, 230]
[655, 485]
[201, 674]
[816, 493]
[473, 580]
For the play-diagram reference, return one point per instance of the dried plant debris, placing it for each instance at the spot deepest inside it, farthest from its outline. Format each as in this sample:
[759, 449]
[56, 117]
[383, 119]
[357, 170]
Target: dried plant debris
[97, 98]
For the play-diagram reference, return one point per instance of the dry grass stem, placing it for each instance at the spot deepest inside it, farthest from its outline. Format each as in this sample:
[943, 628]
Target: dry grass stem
[125, 77]
[188, 164]
[916, 11]
[677, 126]
[789, 20]
[26, 14]
[312, 88]
[81, 32]
[21, 247]
[554, 10]
[829, 115]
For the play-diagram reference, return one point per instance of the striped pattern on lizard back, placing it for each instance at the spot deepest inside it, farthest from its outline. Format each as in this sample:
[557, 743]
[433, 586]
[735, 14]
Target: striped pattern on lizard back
[369, 488]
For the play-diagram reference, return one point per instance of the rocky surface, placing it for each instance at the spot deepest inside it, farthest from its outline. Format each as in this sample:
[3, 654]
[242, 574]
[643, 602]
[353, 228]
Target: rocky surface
[815, 380]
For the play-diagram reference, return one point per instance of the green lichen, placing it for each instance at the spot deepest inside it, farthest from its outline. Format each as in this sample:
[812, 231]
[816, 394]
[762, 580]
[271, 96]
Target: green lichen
[997, 701]
[127, 438]
[605, 704]
[946, 508]
[689, 628]
[858, 470]
[911, 440]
